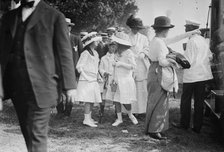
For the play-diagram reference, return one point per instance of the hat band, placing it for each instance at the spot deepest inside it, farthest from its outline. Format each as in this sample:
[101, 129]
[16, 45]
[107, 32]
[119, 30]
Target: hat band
[89, 38]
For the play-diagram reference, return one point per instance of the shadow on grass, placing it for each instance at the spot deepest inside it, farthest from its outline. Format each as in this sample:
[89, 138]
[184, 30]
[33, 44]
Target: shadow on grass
[70, 131]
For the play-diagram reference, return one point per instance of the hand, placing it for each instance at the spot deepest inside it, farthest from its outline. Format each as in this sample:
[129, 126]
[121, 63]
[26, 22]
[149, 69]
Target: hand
[134, 75]
[172, 62]
[70, 94]
[142, 55]
[117, 64]
[1, 104]
[100, 79]
[114, 63]
[197, 31]
[106, 75]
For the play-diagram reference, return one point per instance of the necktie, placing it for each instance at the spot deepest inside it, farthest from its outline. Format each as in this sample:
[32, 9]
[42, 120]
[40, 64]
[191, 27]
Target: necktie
[27, 4]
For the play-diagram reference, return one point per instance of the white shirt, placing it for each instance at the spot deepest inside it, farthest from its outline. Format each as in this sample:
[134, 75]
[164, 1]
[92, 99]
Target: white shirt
[198, 54]
[158, 51]
[140, 43]
[26, 12]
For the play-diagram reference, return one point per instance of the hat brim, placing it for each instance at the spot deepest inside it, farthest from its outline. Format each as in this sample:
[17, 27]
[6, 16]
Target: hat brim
[166, 26]
[70, 24]
[137, 27]
[121, 41]
[98, 38]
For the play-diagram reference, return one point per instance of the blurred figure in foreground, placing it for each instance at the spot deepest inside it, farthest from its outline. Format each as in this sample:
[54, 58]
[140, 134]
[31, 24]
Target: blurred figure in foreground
[35, 55]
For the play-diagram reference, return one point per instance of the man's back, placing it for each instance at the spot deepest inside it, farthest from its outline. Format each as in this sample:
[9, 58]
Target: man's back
[198, 54]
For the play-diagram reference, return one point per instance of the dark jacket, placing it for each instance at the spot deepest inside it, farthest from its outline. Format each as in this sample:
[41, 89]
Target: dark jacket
[47, 51]
[77, 48]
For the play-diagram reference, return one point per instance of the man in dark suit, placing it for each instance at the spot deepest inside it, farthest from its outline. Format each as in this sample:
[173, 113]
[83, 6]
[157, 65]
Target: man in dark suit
[35, 54]
[64, 108]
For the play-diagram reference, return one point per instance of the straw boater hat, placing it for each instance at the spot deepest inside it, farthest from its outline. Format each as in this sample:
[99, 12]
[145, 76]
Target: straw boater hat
[121, 38]
[135, 23]
[82, 34]
[162, 22]
[68, 21]
[89, 38]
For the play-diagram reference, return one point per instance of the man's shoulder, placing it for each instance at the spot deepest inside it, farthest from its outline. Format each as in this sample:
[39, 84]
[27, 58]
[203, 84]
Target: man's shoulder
[51, 10]
[197, 38]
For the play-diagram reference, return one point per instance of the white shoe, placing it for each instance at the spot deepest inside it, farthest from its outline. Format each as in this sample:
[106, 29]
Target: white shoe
[117, 122]
[89, 123]
[134, 120]
[95, 122]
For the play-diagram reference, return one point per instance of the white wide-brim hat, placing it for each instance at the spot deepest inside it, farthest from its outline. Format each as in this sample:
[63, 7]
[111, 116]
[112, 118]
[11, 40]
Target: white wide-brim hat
[90, 37]
[121, 38]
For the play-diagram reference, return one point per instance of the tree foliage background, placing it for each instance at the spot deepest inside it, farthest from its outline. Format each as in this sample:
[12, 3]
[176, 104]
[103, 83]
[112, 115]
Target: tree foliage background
[95, 14]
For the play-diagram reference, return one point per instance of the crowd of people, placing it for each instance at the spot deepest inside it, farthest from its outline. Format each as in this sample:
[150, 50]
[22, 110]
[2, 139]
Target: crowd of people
[42, 62]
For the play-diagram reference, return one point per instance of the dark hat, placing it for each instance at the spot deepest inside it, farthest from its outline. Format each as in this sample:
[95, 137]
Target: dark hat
[133, 22]
[162, 22]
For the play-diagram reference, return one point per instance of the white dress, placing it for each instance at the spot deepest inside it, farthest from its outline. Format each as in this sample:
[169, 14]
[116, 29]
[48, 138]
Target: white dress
[106, 66]
[88, 91]
[140, 45]
[126, 91]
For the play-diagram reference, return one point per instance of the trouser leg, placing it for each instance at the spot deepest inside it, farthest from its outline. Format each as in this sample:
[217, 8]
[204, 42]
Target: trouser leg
[38, 125]
[185, 105]
[22, 113]
[61, 106]
[199, 94]
[33, 123]
[68, 108]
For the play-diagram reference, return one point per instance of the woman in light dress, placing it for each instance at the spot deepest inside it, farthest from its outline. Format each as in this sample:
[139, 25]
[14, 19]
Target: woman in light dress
[140, 48]
[88, 89]
[157, 114]
[124, 66]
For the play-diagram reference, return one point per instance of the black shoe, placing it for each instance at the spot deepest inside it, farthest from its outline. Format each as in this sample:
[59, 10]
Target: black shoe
[179, 126]
[195, 130]
[157, 136]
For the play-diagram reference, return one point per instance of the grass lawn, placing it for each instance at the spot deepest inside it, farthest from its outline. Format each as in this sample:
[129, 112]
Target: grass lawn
[70, 135]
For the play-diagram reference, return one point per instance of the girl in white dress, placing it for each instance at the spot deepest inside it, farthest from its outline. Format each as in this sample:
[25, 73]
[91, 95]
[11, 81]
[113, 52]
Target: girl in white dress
[124, 66]
[88, 89]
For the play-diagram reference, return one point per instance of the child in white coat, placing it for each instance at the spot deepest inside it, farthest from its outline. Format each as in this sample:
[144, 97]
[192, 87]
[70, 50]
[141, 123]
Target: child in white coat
[88, 89]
